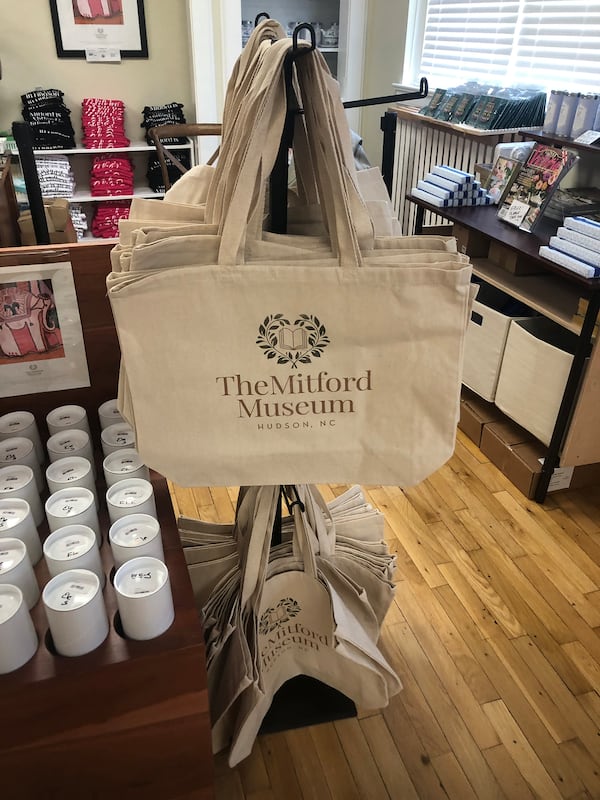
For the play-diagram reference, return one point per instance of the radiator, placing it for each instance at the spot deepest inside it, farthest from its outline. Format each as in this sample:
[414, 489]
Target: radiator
[420, 146]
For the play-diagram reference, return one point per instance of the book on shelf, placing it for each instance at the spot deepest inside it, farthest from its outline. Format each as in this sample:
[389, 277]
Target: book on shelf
[445, 110]
[436, 99]
[463, 107]
[534, 184]
[489, 112]
[501, 177]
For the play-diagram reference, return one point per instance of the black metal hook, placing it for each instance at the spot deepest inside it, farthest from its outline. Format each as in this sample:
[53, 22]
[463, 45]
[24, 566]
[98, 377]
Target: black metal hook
[304, 26]
[260, 15]
[279, 175]
[295, 502]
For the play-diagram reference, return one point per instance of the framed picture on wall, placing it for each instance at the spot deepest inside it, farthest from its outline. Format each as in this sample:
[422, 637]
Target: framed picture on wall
[81, 25]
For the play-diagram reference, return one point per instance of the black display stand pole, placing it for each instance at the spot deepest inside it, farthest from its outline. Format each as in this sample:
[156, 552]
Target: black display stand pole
[24, 141]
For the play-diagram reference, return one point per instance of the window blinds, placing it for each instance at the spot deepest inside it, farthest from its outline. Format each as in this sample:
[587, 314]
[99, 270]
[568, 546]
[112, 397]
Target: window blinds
[548, 44]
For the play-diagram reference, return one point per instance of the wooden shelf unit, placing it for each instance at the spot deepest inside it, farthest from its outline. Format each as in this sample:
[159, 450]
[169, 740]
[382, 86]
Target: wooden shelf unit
[554, 292]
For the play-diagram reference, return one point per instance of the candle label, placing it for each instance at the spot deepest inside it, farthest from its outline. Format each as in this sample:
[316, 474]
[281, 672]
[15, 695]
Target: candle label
[141, 576]
[130, 497]
[136, 535]
[14, 451]
[70, 506]
[67, 444]
[7, 561]
[123, 437]
[11, 482]
[72, 596]
[9, 517]
[72, 547]
[70, 474]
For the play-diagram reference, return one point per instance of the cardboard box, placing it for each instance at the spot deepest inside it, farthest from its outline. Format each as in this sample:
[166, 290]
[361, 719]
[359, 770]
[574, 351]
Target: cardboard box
[474, 414]
[498, 438]
[523, 467]
[520, 457]
[512, 261]
[58, 221]
[485, 340]
[516, 454]
[537, 359]
[470, 242]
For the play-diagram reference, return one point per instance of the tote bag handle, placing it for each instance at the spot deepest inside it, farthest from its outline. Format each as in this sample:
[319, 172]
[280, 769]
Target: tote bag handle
[265, 116]
[254, 561]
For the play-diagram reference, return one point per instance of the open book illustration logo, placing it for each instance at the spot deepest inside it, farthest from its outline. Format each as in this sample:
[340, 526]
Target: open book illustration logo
[294, 343]
[278, 615]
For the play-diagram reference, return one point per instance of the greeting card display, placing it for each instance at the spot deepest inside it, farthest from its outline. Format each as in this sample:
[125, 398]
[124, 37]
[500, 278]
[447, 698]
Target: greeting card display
[533, 186]
[501, 177]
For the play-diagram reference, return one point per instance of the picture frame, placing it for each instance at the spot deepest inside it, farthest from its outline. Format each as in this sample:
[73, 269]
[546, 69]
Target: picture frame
[41, 339]
[82, 25]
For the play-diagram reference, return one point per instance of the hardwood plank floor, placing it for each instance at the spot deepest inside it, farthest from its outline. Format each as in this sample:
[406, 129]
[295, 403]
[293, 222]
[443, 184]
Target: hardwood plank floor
[495, 634]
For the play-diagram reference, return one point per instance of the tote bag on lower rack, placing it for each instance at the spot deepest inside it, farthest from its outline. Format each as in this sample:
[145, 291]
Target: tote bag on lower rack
[297, 619]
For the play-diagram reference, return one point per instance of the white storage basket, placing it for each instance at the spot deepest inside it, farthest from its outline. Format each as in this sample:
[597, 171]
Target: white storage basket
[534, 371]
[485, 341]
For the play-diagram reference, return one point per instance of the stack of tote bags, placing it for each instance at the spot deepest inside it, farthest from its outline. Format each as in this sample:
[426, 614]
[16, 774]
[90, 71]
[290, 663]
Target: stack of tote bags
[332, 353]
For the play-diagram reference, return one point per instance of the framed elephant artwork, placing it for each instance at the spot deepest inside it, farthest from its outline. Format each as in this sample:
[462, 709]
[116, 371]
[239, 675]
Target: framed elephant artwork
[83, 25]
[41, 340]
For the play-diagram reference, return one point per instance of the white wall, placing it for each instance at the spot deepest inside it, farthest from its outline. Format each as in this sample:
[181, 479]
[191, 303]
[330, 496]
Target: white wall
[384, 58]
[28, 55]
[29, 60]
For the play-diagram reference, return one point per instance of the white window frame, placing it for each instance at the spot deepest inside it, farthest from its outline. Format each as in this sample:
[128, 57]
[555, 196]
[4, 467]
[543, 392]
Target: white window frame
[415, 32]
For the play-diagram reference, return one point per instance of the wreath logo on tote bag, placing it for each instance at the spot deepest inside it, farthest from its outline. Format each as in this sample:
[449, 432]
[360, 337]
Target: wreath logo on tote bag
[279, 614]
[292, 343]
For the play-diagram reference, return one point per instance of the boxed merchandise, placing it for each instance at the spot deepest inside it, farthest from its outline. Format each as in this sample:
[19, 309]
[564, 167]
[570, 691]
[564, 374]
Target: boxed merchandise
[475, 412]
[486, 337]
[520, 458]
[515, 453]
[58, 220]
[471, 242]
[512, 260]
[499, 437]
[537, 359]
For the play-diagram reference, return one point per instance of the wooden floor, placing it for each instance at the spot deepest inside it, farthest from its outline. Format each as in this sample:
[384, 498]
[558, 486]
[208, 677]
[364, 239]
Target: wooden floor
[495, 635]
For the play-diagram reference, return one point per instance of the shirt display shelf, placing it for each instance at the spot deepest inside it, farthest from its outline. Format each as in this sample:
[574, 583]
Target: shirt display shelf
[139, 191]
[134, 147]
[80, 159]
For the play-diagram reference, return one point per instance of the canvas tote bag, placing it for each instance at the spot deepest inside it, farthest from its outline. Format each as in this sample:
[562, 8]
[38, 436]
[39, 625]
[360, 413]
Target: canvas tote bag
[346, 370]
[305, 622]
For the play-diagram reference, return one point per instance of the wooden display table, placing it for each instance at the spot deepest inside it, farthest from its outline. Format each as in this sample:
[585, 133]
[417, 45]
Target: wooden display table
[130, 719]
